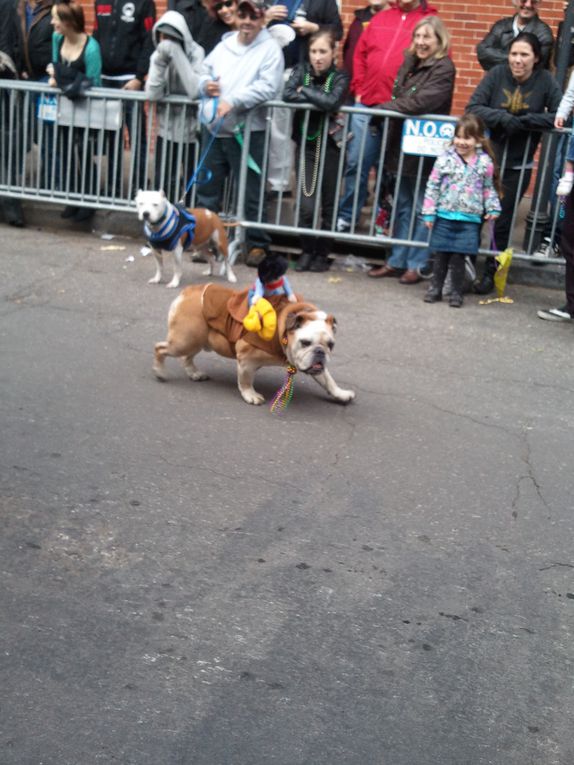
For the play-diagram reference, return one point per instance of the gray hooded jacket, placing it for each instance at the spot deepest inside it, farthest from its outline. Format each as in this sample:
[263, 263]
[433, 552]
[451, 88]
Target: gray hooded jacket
[174, 70]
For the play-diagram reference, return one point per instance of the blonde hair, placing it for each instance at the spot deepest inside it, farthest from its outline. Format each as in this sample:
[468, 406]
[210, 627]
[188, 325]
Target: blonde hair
[441, 32]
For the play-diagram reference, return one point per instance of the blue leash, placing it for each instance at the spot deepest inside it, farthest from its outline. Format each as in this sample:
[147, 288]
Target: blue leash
[208, 174]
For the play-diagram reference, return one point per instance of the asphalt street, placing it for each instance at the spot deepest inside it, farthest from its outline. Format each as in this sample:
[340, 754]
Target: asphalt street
[190, 580]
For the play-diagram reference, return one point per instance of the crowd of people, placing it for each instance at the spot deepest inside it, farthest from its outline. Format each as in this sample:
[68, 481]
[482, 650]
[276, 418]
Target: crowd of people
[235, 55]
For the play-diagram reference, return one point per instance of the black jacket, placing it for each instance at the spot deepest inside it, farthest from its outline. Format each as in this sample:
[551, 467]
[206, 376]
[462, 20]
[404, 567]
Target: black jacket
[314, 93]
[512, 110]
[325, 13]
[37, 39]
[123, 30]
[420, 88]
[494, 48]
[10, 35]
[205, 30]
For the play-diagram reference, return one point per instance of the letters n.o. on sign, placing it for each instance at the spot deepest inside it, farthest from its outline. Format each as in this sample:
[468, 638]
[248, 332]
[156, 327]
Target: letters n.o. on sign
[428, 138]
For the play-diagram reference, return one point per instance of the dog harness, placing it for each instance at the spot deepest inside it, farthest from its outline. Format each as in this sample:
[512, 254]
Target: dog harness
[180, 225]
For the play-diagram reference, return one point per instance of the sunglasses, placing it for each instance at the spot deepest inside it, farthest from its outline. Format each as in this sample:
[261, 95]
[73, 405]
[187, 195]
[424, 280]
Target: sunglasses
[224, 4]
[252, 15]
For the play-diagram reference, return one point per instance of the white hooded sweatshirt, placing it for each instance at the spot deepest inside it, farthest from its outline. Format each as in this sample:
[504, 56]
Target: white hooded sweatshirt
[174, 70]
[248, 75]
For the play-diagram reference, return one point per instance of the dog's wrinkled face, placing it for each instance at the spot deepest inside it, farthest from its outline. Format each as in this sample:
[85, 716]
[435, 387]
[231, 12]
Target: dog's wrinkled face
[151, 205]
[310, 340]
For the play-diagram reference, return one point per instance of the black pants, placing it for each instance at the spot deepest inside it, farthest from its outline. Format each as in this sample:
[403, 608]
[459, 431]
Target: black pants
[567, 245]
[323, 195]
[224, 157]
[442, 260]
[513, 190]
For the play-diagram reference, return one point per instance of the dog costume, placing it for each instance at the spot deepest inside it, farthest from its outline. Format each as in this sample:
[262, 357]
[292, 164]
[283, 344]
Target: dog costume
[179, 225]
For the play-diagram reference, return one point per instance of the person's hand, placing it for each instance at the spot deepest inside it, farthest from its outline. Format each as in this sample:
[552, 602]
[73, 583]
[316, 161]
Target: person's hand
[491, 216]
[512, 124]
[428, 224]
[304, 27]
[50, 70]
[276, 13]
[165, 50]
[559, 122]
[52, 82]
[213, 89]
[223, 108]
[292, 299]
[133, 85]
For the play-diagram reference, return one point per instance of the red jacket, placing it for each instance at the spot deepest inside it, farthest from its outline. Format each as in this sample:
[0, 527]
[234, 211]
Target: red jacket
[380, 52]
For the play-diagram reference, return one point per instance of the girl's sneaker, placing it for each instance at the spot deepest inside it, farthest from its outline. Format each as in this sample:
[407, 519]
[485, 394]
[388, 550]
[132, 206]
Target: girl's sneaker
[564, 185]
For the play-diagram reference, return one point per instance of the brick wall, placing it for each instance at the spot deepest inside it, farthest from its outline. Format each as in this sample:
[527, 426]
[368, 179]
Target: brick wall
[467, 23]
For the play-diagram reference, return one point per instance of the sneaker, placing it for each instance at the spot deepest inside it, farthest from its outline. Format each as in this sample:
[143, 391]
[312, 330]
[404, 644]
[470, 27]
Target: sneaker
[555, 314]
[343, 225]
[255, 256]
[547, 249]
[564, 186]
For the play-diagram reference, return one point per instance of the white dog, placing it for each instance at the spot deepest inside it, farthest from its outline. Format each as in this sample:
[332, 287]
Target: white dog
[171, 229]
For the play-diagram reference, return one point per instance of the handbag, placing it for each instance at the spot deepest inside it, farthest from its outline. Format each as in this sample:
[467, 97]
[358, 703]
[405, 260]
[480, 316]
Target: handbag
[95, 113]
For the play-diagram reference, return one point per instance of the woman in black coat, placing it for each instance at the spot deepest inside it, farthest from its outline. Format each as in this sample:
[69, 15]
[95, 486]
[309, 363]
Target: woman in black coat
[320, 83]
[515, 101]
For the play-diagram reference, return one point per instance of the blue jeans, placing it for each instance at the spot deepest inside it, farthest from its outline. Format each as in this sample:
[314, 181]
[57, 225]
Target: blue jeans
[359, 126]
[403, 256]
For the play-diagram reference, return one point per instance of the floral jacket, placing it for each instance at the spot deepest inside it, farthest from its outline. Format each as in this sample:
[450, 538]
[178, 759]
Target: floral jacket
[461, 190]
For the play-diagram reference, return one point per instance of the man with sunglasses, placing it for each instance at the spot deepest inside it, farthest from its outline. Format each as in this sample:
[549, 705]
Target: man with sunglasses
[494, 48]
[240, 74]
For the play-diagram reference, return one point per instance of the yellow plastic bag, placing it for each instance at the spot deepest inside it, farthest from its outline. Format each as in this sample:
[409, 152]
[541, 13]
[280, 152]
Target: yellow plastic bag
[503, 261]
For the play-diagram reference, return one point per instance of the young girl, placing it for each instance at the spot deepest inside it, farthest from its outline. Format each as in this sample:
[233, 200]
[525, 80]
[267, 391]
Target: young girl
[564, 111]
[461, 191]
[319, 83]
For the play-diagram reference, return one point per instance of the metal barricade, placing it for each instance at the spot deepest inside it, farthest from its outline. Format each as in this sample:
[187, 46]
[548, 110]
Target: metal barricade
[99, 150]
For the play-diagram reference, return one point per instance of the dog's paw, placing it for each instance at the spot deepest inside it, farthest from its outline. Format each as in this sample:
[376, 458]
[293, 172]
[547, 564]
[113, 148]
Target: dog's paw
[197, 376]
[174, 284]
[344, 396]
[231, 277]
[155, 279]
[252, 397]
[207, 271]
[160, 374]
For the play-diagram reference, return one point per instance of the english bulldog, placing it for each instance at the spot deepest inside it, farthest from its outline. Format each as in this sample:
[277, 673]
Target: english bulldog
[172, 229]
[203, 317]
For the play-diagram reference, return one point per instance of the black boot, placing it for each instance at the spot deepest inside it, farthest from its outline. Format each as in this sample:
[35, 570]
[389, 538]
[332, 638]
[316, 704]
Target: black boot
[457, 268]
[320, 263]
[84, 214]
[455, 300]
[440, 267]
[70, 211]
[304, 261]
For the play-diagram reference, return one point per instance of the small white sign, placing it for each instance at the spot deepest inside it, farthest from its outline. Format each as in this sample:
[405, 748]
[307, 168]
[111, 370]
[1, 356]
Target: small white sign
[427, 138]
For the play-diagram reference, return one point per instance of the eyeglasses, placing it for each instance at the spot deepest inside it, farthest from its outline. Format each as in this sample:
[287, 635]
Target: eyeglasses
[224, 4]
[252, 15]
